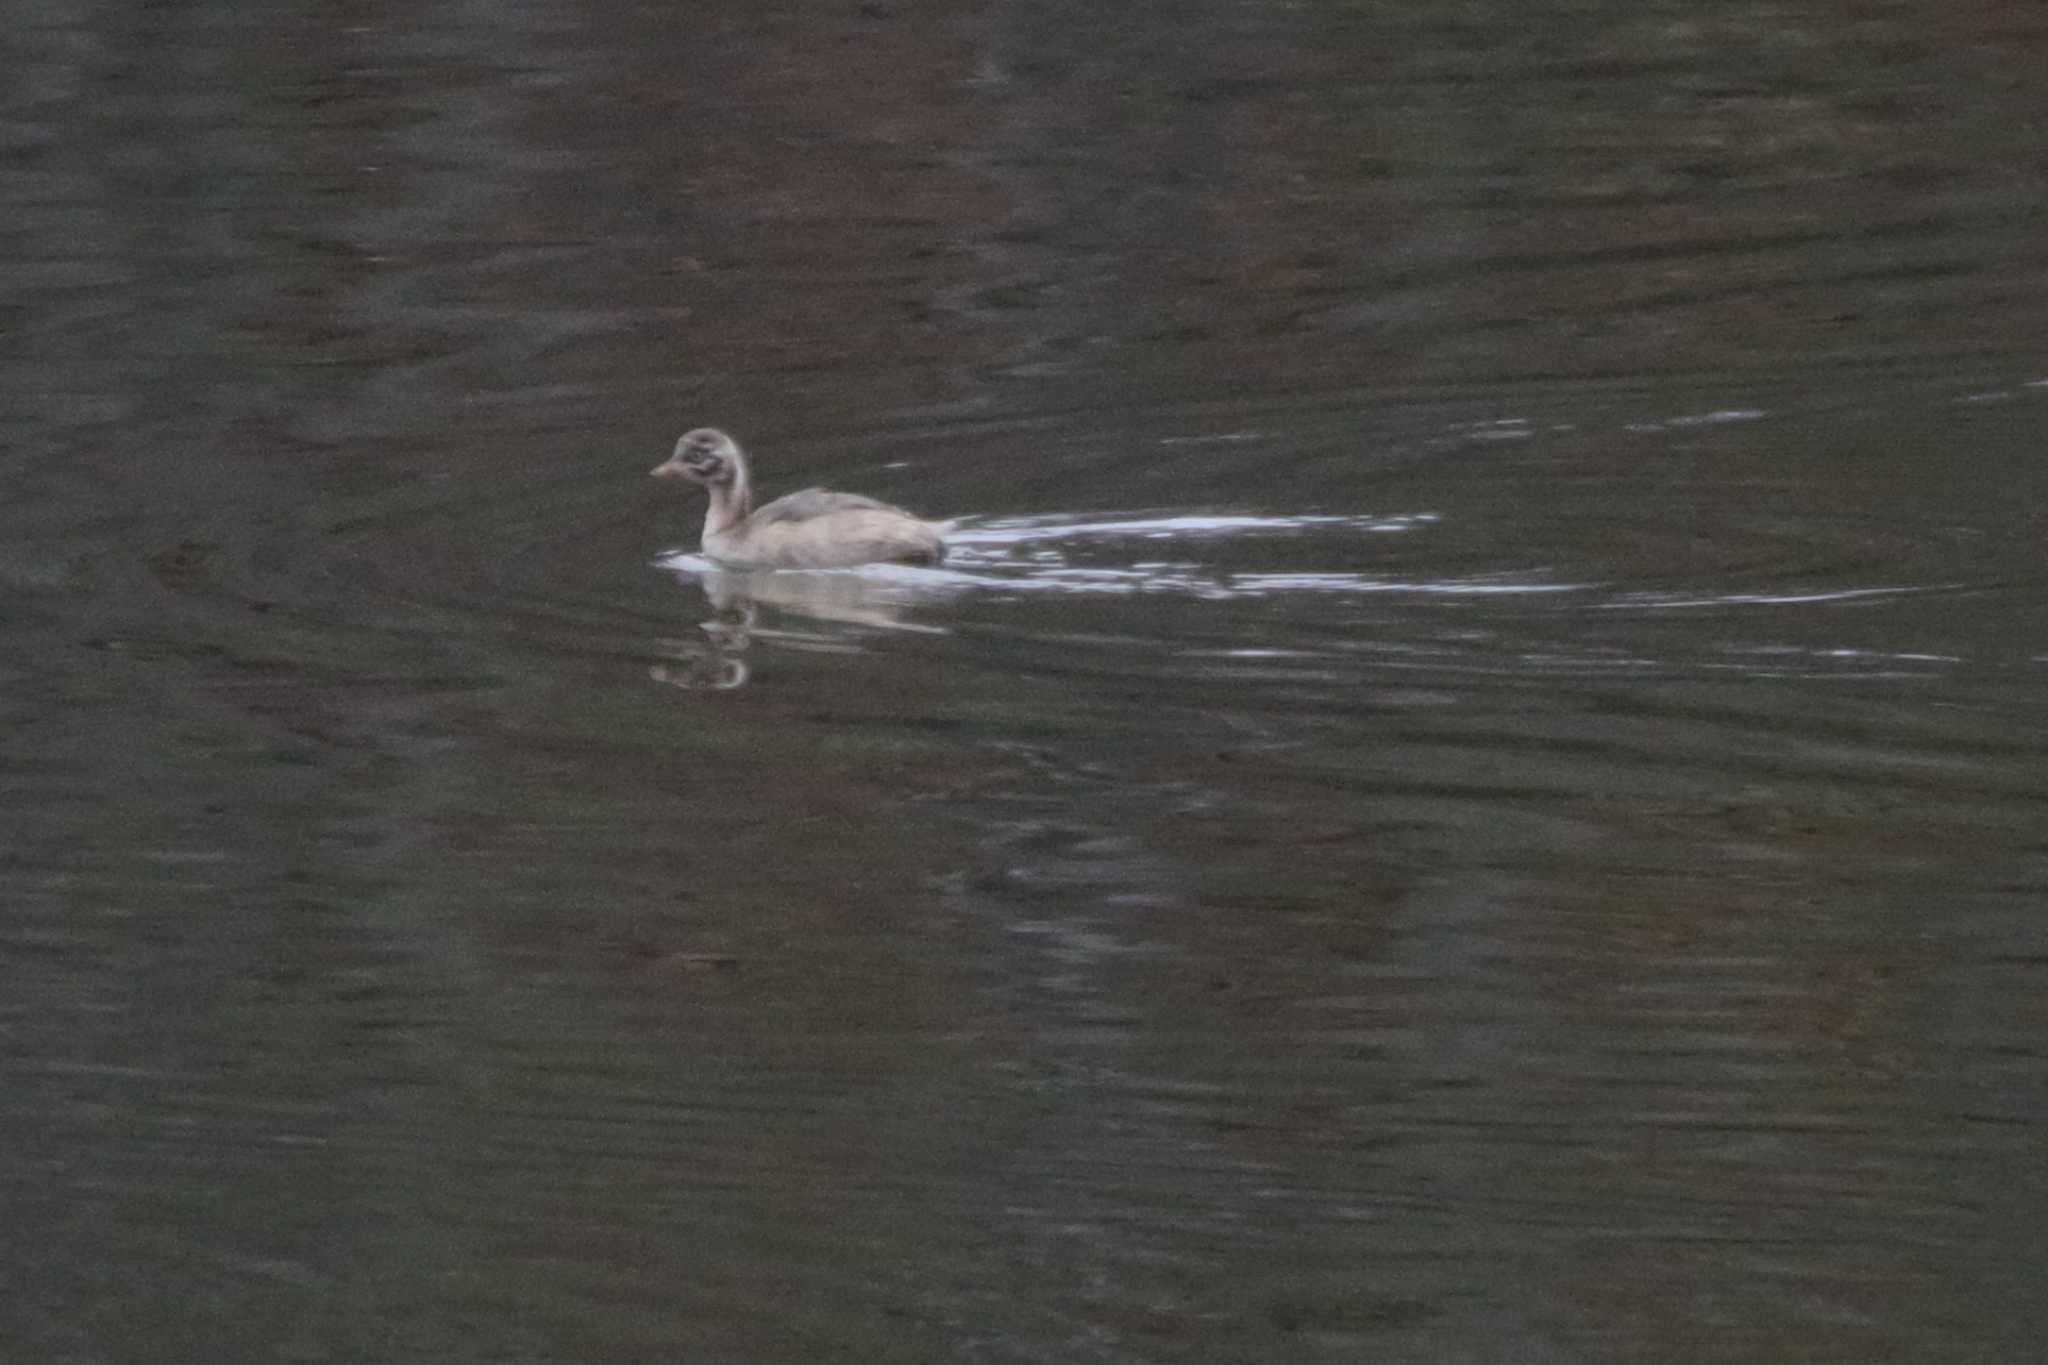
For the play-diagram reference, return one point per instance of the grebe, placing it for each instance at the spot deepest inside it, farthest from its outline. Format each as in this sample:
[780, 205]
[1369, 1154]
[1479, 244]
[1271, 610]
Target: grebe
[814, 529]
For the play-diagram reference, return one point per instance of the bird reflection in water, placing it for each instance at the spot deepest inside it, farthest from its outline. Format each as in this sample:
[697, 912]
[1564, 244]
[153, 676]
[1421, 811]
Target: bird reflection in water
[842, 604]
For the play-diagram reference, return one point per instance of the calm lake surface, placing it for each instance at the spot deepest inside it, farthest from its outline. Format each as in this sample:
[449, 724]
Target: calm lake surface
[1475, 788]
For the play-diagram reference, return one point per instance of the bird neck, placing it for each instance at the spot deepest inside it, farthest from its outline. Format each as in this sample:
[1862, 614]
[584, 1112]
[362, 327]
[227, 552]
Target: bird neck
[730, 504]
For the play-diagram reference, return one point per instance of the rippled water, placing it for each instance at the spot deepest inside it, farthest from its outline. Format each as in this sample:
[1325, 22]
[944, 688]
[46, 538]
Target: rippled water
[1471, 790]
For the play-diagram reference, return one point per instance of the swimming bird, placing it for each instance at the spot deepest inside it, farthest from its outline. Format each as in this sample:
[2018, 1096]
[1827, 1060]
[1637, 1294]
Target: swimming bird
[814, 529]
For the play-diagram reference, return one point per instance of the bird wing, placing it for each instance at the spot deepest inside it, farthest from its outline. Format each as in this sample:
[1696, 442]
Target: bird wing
[817, 502]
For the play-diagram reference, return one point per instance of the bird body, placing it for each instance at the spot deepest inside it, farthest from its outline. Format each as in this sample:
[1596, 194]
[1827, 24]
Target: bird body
[813, 529]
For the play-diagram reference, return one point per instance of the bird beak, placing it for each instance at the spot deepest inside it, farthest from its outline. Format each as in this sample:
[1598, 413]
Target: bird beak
[667, 469]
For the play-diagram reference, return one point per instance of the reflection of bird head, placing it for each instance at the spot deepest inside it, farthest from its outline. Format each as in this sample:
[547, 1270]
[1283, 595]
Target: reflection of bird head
[712, 672]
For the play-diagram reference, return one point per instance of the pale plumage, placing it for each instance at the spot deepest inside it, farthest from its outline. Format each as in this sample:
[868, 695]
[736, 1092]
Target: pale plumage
[814, 529]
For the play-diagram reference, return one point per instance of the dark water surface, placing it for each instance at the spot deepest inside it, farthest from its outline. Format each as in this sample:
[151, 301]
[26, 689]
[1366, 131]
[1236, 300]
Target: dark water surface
[1475, 790]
